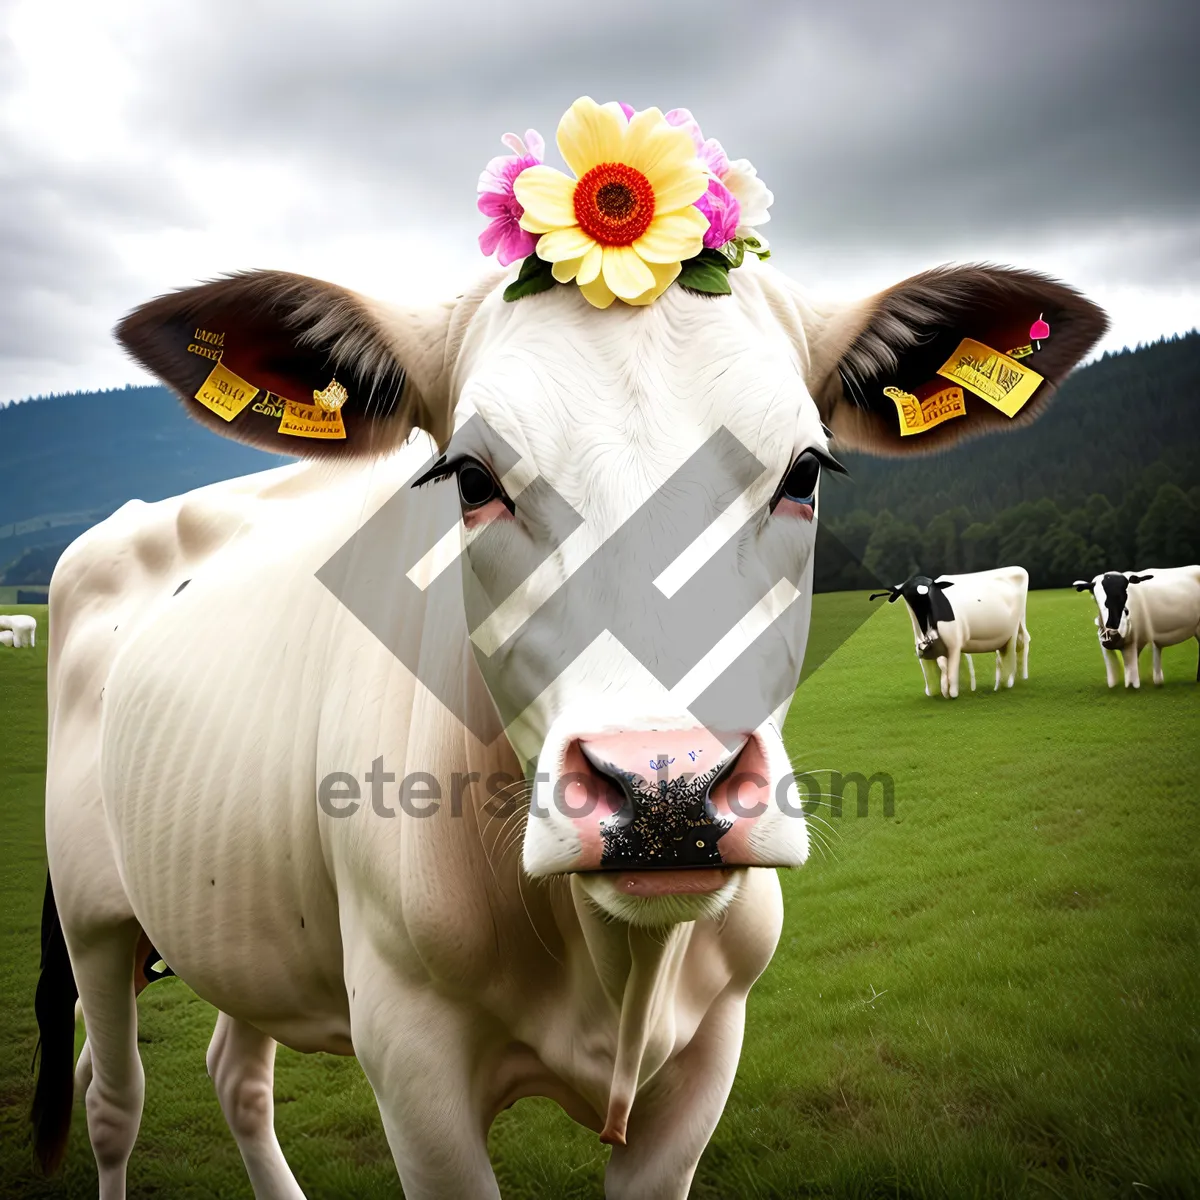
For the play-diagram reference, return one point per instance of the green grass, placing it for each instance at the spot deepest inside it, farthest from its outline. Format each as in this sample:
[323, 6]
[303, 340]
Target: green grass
[992, 993]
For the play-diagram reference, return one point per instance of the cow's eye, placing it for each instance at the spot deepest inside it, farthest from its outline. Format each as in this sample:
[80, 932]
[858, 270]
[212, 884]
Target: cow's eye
[800, 483]
[475, 484]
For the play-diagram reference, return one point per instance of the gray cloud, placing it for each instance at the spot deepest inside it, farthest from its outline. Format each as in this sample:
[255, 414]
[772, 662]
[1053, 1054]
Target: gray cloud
[911, 132]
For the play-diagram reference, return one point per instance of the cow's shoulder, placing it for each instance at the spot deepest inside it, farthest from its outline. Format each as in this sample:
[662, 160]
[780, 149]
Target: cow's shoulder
[117, 571]
[139, 547]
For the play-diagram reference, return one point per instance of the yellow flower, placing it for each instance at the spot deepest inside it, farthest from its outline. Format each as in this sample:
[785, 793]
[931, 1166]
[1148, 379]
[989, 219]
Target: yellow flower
[624, 225]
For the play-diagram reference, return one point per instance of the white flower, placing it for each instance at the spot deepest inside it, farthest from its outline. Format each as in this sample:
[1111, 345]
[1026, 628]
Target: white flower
[752, 195]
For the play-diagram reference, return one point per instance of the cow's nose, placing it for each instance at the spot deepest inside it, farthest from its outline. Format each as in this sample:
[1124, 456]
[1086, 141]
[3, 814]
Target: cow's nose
[663, 798]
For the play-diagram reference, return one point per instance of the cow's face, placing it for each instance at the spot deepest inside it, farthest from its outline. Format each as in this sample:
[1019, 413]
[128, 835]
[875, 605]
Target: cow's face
[638, 490]
[1111, 594]
[928, 606]
[640, 517]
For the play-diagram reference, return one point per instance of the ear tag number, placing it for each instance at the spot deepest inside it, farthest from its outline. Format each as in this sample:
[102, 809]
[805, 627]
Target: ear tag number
[311, 421]
[225, 393]
[1002, 381]
[919, 416]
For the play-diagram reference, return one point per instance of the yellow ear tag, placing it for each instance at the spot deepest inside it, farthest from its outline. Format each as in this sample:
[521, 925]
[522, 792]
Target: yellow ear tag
[322, 419]
[918, 416]
[1002, 381]
[225, 393]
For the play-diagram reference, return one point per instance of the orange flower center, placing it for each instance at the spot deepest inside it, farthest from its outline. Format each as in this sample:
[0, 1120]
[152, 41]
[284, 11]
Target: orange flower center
[614, 204]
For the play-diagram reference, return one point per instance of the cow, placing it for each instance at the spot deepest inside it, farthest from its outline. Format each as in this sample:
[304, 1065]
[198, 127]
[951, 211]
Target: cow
[572, 900]
[986, 612]
[24, 628]
[1156, 607]
[6, 637]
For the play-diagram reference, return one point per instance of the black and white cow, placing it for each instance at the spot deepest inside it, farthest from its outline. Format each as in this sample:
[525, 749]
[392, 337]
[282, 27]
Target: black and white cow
[987, 614]
[1156, 607]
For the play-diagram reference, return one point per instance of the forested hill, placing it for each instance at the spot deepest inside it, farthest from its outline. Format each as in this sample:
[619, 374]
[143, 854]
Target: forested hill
[1109, 478]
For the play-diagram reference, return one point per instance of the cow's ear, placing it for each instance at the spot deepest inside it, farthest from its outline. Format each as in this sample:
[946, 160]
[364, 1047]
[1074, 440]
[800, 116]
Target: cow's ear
[1139, 578]
[298, 366]
[908, 370]
[1083, 585]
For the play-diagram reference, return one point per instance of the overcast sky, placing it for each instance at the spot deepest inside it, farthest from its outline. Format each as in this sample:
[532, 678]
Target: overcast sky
[146, 145]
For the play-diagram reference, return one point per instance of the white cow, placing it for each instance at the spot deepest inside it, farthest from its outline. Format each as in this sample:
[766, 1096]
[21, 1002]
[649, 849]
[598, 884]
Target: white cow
[6, 637]
[563, 902]
[985, 612]
[1157, 607]
[24, 628]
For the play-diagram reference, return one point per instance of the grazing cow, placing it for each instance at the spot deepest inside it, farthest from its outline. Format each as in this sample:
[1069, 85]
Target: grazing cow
[986, 612]
[1156, 607]
[218, 776]
[6, 637]
[24, 628]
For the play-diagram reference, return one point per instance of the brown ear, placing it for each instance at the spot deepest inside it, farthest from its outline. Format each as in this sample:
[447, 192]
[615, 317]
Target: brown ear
[939, 342]
[247, 354]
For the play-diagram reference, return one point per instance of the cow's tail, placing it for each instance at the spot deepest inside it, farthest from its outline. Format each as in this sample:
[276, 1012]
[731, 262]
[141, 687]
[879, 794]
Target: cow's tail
[54, 1006]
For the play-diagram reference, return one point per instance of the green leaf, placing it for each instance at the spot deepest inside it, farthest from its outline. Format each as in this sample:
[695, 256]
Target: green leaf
[753, 246]
[702, 274]
[733, 252]
[536, 275]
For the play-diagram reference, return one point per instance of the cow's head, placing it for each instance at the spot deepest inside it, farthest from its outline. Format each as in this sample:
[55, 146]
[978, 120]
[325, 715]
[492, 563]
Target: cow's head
[639, 489]
[927, 601]
[1111, 593]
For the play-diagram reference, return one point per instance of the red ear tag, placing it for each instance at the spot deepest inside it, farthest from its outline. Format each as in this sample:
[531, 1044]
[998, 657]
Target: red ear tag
[1039, 331]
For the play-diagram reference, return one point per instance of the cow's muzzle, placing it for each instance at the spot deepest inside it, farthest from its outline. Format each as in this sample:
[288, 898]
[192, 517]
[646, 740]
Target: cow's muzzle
[665, 800]
[1111, 639]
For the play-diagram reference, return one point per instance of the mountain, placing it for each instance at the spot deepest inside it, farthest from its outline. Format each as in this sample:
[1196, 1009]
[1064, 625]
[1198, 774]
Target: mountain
[1108, 478]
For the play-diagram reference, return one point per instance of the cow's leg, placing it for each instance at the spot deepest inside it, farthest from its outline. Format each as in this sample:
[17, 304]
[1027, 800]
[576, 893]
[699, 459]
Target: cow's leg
[999, 663]
[924, 674]
[1132, 675]
[1007, 662]
[417, 1050]
[1025, 639]
[953, 662]
[1110, 665]
[103, 962]
[971, 669]
[241, 1062]
[944, 676]
[1156, 652]
[674, 1116]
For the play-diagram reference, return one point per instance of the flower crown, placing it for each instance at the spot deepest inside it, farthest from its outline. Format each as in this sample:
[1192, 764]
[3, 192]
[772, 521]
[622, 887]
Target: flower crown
[652, 203]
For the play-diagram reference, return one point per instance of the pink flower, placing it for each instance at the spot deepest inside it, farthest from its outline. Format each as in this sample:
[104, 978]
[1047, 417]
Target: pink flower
[724, 214]
[504, 236]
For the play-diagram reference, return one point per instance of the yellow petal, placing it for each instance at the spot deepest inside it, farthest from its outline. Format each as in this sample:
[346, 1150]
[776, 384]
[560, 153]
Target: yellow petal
[625, 273]
[657, 149]
[548, 198]
[590, 134]
[679, 188]
[589, 268]
[566, 269]
[665, 274]
[671, 237]
[560, 244]
[597, 293]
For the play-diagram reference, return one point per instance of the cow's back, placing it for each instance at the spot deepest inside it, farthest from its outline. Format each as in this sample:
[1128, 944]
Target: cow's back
[1166, 607]
[989, 605]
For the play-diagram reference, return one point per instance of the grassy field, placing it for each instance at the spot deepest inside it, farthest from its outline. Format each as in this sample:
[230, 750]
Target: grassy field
[994, 992]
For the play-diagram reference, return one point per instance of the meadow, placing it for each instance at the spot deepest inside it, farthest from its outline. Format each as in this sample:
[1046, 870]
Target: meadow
[992, 992]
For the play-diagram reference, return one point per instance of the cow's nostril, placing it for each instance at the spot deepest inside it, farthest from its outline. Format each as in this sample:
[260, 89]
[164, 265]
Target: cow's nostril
[666, 816]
